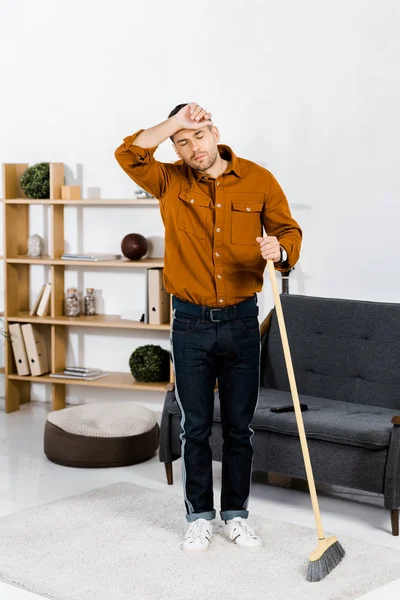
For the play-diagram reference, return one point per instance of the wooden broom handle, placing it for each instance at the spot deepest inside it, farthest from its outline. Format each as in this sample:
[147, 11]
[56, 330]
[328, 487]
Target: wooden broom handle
[295, 397]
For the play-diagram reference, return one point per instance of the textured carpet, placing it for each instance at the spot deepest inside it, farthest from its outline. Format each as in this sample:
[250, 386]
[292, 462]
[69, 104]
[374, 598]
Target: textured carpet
[122, 542]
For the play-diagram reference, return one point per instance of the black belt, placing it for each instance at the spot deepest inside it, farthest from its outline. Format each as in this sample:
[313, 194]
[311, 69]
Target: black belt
[247, 308]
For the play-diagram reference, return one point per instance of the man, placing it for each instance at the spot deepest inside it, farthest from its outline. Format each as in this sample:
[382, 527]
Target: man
[214, 206]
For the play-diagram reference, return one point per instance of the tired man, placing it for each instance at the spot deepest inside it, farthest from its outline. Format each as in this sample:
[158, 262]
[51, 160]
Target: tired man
[214, 206]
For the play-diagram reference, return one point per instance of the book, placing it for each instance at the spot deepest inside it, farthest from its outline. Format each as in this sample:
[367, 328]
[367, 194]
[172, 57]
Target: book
[19, 350]
[35, 345]
[62, 375]
[83, 374]
[80, 375]
[36, 302]
[158, 298]
[86, 370]
[44, 304]
[91, 256]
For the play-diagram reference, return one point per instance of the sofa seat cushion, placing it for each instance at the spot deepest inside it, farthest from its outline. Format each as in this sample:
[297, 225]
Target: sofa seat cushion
[329, 420]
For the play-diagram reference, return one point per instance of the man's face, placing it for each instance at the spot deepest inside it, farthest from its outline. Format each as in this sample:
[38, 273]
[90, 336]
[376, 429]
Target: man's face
[197, 147]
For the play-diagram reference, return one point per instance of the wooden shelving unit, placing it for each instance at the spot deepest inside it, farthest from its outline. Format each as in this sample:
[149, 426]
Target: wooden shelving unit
[16, 285]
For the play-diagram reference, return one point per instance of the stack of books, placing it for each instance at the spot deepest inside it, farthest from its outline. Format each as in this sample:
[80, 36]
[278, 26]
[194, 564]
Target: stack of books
[92, 256]
[84, 373]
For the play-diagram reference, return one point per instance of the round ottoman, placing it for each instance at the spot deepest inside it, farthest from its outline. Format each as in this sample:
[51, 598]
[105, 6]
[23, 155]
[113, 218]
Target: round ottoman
[110, 434]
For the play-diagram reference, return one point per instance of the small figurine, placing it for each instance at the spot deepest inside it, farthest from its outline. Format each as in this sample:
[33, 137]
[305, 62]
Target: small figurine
[35, 245]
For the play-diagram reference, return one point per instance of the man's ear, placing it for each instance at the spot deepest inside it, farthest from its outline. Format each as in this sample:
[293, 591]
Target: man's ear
[215, 132]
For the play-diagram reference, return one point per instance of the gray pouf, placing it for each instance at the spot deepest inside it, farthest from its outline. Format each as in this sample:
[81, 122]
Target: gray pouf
[110, 434]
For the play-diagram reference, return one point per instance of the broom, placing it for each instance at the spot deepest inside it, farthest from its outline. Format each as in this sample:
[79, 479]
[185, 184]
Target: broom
[329, 552]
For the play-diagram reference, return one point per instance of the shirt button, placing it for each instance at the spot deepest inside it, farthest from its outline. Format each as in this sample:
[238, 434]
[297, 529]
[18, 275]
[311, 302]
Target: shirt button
[219, 276]
[219, 205]
[248, 208]
[218, 230]
[217, 254]
[192, 200]
[221, 300]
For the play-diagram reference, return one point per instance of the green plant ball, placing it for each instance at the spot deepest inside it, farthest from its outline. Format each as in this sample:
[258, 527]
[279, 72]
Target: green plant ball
[35, 181]
[150, 363]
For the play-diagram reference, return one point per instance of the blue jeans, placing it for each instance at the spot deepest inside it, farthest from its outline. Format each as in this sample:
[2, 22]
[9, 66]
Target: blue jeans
[204, 351]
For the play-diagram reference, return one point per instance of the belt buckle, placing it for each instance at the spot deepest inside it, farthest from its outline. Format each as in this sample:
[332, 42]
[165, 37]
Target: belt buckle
[212, 310]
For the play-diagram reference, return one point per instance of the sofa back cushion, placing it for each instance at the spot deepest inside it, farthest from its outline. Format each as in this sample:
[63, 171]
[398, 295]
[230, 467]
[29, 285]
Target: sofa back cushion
[347, 350]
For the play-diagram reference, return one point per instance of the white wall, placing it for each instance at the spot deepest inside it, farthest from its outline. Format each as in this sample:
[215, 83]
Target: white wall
[308, 89]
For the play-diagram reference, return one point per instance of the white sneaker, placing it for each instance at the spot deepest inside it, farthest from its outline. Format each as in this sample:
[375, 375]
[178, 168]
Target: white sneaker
[243, 535]
[198, 536]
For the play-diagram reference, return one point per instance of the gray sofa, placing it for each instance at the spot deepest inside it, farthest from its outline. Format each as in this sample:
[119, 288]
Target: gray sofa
[346, 359]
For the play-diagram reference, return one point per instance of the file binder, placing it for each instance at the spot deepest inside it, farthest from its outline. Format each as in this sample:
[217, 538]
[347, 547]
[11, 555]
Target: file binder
[18, 347]
[158, 298]
[36, 350]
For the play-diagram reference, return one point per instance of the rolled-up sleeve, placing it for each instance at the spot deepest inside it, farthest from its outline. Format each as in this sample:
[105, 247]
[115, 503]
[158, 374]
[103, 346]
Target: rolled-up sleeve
[278, 221]
[139, 163]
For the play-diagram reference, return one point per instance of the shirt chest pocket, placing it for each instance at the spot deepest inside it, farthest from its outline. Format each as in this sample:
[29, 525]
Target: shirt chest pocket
[193, 213]
[246, 223]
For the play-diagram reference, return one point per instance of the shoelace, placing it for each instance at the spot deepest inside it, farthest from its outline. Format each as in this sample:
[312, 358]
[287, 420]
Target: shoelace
[241, 528]
[198, 529]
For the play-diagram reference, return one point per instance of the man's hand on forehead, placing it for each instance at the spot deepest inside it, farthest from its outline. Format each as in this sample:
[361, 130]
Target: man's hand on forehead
[197, 113]
[193, 116]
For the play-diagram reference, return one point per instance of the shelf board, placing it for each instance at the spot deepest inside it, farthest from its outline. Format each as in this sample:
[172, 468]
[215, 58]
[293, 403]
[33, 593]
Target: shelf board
[87, 202]
[110, 321]
[113, 380]
[143, 263]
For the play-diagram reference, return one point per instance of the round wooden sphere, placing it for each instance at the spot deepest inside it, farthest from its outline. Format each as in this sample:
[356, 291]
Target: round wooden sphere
[134, 246]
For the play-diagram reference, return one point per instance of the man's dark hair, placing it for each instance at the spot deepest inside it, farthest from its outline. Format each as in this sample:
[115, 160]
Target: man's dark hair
[176, 110]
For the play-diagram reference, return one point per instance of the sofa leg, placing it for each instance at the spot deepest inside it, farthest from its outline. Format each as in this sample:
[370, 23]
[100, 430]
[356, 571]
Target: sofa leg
[169, 473]
[394, 513]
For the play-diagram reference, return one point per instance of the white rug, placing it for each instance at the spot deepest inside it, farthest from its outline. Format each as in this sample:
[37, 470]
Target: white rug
[122, 542]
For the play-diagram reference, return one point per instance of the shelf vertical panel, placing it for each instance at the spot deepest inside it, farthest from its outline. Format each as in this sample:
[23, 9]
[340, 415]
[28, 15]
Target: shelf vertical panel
[57, 291]
[56, 180]
[16, 279]
[58, 354]
[16, 229]
[11, 180]
[17, 393]
[58, 333]
[57, 230]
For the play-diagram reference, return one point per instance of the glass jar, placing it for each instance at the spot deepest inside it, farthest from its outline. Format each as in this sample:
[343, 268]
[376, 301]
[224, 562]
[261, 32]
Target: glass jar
[90, 302]
[72, 308]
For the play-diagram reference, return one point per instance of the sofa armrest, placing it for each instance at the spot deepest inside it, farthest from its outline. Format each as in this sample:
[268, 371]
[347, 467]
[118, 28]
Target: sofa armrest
[396, 420]
[165, 454]
[392, 471]
[265, 325]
